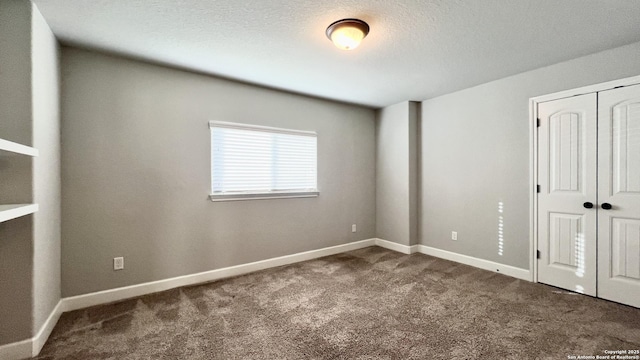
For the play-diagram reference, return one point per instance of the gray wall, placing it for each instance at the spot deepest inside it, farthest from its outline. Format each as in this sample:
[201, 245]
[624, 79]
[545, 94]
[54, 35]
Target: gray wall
[396, 173]
[136, 174]
[46, 170]
[16, 247]
[15, 71]
[475, 155]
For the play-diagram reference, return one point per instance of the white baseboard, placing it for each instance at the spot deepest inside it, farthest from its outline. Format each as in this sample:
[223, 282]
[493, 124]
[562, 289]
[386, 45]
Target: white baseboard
[405, 249]
[45, 330]
[111, 295]
[31, 347]
[508, 270]
[463, 259]
[17, 350]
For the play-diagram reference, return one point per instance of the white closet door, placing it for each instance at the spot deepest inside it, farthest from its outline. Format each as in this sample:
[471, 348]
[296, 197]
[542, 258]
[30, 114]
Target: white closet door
[619, 187]
[567, 177]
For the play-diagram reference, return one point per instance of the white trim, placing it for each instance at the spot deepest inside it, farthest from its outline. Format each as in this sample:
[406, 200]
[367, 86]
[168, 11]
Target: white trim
[240, 126]
[634, 80]
[16, 148]
[112, 295]
[405, 249]
[31, 347]
[533, 153]
[533, 192]
[508, 270]
[17, 350]
[262, 196]
[45, 330]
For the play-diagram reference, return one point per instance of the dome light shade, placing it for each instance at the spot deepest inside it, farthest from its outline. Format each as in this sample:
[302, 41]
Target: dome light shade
[346, 34]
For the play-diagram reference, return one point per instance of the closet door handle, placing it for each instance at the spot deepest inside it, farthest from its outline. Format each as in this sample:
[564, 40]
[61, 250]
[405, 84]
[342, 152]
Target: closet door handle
[606, 206]
[588, 205]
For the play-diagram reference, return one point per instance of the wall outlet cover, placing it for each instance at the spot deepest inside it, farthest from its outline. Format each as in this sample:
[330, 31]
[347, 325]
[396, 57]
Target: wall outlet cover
[118, 263]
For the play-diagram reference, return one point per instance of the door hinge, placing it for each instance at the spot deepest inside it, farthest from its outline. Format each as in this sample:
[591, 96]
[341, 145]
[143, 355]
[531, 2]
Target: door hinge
[537, 254]
[538, 122]
[537, 188]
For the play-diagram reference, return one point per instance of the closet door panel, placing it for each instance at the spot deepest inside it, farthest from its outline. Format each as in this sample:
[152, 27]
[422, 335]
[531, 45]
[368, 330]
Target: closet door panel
[567, 179]
[619, 195]
[625, 147]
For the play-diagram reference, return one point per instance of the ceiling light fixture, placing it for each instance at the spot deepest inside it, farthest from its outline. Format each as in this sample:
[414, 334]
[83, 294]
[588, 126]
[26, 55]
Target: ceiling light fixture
[346, 34]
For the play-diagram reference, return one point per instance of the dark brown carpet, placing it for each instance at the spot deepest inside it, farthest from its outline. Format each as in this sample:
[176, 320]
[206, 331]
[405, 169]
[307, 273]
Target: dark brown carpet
[366, 304]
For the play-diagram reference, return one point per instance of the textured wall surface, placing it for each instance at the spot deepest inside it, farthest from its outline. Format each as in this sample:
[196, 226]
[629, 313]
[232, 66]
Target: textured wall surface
[136, 174]
[475, 156]
[46, 169]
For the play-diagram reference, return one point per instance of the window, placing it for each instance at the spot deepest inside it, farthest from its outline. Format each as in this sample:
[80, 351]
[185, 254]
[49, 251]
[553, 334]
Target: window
[257, 162]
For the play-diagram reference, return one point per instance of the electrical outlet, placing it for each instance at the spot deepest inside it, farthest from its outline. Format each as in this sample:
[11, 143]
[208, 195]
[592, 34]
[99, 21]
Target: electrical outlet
[353, 228]
[118, 263]
[454, 235]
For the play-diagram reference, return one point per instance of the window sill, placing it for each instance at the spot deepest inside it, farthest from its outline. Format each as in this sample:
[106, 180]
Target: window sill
[263, 196]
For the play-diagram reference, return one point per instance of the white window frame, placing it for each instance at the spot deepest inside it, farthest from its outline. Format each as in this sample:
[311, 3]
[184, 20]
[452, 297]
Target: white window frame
[250, 194]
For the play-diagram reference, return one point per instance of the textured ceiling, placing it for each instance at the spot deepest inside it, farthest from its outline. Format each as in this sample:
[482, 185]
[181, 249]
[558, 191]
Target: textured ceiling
[416, 49]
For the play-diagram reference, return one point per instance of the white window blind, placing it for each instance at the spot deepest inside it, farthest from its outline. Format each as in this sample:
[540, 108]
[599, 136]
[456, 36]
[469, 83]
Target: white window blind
[250, 161]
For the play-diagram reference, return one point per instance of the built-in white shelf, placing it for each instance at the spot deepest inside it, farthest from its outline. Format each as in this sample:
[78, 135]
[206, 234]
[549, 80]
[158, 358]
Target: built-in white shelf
[13, 147]
[12, 211]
